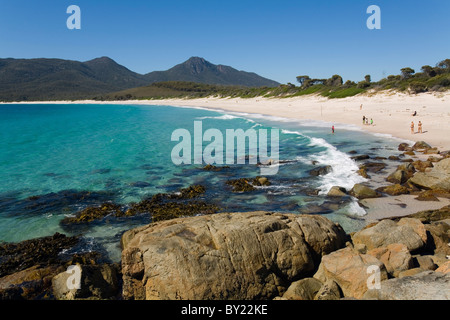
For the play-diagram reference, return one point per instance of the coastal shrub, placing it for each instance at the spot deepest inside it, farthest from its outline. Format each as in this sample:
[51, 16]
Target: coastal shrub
[363, 84]
[417, 87]
[347, 92]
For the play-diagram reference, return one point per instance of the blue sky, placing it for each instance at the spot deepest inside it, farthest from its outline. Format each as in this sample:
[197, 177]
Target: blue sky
[276, 39]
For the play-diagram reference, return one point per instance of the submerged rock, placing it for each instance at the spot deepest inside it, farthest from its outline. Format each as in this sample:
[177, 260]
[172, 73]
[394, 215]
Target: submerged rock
[360, 157]
[94, 213]
[320, 171]
[210, 167]
[15, 257]
[247, 184]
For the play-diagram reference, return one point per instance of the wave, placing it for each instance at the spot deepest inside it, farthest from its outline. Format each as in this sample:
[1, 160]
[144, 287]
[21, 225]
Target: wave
[222, 117]
[343, 171]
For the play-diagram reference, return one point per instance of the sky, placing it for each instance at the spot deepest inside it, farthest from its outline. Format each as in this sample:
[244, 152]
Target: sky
[275, 39]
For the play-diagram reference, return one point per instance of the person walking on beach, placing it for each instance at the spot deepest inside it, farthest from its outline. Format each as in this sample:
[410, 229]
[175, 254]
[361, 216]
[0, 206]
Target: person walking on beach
[412, 127]
[371, 121]
[419, 127]
[364, 119]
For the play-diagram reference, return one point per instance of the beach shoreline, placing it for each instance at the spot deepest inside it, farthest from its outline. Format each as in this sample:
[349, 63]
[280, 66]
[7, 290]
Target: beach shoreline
[391, 114]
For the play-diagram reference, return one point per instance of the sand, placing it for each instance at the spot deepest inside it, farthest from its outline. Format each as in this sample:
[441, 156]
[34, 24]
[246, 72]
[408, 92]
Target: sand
[391, 113]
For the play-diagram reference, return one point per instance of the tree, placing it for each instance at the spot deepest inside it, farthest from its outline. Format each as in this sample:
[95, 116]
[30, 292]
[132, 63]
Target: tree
[334, 81]
[444, 64]
[302, 79]
[429, 71]
[362, 85]
[367, 78]
[407, 72]
[349, 84]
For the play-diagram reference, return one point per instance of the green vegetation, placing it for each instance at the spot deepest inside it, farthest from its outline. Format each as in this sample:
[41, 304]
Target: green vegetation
[104, 79]
[431, 79]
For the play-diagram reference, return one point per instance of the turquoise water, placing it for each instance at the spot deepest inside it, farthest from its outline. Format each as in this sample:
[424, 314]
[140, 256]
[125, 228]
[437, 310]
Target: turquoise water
[58, 159]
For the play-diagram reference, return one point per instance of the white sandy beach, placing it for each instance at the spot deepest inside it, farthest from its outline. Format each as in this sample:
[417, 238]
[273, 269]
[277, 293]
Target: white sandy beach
[391, 114]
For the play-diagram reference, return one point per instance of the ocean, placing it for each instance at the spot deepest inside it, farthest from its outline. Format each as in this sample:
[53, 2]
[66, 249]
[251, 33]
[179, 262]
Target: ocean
[56, 160]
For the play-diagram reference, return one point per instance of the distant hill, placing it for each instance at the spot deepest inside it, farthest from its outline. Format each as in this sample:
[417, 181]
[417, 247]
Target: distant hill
[199, 70]
[54, 79]
[48, 79]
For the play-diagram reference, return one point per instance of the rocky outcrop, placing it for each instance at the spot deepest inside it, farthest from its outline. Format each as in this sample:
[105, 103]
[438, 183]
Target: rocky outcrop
[395, 257]
[304, 289]
[394, 190]
[320, 171]
[94, 282]
[349, 269]
[437, 178]
[254, 255]
[337, 191]
[427, 285]
[28, 269]
[388, 232]
[361, 191]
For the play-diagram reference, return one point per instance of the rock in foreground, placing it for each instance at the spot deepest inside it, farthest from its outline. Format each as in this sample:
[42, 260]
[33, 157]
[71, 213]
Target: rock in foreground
[254, 255]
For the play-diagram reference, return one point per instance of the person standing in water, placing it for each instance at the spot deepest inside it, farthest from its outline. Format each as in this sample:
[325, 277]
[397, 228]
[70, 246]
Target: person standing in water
[332, 129]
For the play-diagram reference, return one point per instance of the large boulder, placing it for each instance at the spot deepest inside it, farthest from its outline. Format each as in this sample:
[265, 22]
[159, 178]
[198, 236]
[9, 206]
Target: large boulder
[304, 289]
[29, 284]
[93, 282]
[361, 191]
[395, 257]
[388, 232]
[437, 178]
[398, 177]
[253, 255]
[320, 171]
[350, 269]
[337, 191]
[421, 145]
[427, 285]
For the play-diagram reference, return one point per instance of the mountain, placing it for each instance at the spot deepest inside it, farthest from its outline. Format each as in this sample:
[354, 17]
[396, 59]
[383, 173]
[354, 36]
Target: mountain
[48, 79]
[199, 70]
[55, 79]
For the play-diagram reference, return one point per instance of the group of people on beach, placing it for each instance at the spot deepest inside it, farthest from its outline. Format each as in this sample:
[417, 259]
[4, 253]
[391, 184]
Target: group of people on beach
[419, 127]
[366, 120]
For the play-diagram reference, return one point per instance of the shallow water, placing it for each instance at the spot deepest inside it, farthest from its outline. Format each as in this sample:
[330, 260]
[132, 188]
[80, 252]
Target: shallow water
[58, 159]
